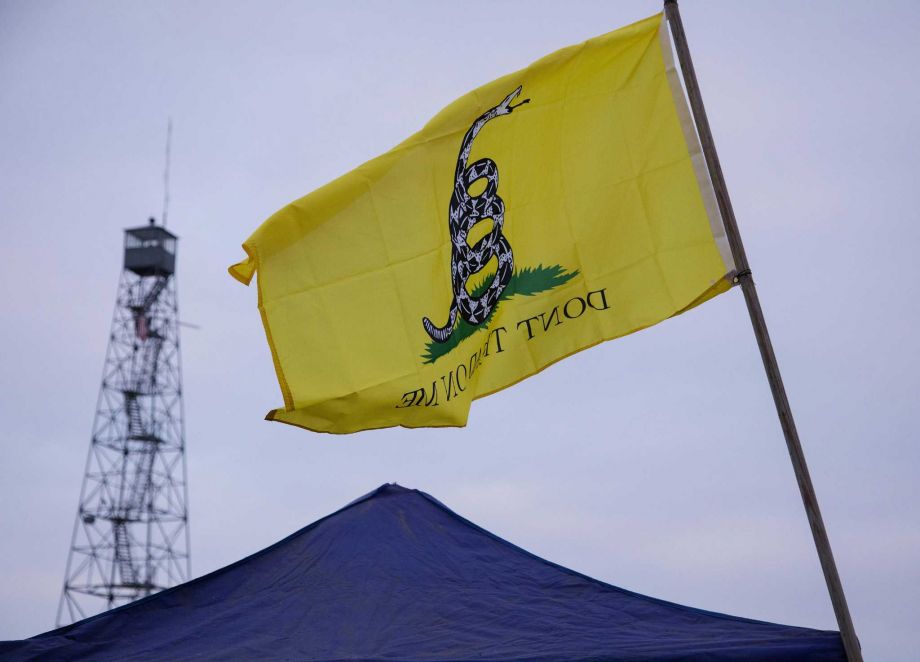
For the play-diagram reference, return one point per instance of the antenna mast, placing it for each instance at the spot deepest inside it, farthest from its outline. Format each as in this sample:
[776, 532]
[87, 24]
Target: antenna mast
[166, 171]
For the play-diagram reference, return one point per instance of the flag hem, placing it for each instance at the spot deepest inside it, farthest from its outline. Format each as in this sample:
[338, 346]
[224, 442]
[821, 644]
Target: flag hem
[695, 149]
[244, 270]
[276, 361]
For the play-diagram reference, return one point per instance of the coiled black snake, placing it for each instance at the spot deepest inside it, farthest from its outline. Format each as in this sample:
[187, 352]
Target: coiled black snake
[465, 212]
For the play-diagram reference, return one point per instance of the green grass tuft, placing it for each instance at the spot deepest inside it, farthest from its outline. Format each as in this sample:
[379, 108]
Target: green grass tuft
[526, 282]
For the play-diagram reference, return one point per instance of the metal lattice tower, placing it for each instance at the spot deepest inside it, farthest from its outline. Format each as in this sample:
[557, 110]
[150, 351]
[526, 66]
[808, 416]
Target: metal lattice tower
[131, 535]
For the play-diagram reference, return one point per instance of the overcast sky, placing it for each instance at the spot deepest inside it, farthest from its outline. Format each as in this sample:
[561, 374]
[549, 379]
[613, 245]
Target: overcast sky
[654, 462]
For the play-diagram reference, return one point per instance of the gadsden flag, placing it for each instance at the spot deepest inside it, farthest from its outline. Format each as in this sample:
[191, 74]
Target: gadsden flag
[538, 215]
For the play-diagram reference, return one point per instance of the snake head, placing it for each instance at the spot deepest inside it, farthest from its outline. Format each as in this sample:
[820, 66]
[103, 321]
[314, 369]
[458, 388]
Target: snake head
[505, 106]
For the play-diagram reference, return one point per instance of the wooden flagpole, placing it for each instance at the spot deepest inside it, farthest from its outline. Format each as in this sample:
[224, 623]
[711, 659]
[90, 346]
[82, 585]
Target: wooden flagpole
[744, 277]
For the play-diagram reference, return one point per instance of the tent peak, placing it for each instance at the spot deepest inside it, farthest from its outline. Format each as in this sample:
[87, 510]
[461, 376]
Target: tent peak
[387, 489]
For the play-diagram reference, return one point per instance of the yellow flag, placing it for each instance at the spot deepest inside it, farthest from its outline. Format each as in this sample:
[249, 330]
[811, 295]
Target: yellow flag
[549, 210]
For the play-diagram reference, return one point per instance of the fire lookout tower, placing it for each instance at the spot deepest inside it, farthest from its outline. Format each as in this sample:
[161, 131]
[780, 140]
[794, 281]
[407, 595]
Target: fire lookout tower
[131, 536]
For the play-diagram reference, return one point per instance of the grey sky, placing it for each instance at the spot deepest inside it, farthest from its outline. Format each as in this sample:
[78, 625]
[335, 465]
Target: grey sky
[654, 462]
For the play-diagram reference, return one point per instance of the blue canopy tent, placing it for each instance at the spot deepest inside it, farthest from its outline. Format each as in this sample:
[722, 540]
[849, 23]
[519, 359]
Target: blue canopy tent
[396, 575]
